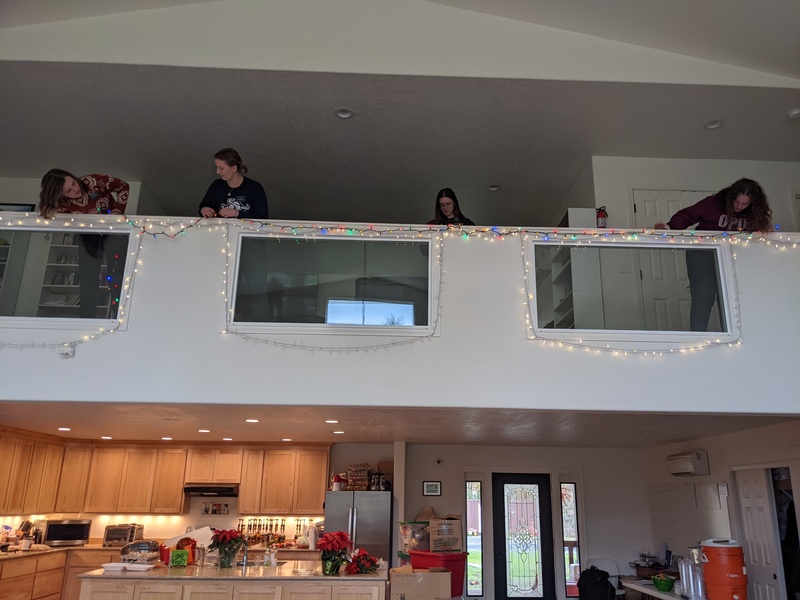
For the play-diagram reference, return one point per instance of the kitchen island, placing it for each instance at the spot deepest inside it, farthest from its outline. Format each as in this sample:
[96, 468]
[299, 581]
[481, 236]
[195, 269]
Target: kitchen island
[288, 581]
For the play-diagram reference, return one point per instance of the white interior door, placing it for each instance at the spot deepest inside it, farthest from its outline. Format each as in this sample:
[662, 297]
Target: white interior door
[762, 544]
[666, 299]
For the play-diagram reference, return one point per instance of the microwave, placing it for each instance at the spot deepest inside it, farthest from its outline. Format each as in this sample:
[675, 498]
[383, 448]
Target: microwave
[125, 533]
[70, 532]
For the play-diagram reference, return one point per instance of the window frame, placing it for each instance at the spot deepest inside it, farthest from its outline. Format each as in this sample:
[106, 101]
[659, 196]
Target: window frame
[432, 239]
[649, 340]
[120, 322]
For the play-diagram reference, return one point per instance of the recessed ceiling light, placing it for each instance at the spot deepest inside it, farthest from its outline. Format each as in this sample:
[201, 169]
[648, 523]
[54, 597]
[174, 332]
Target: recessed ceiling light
[331, 421]
[227, 439]
[167, 439]
[65, 429]
[203, 431]
[105, 437]
[286, 440]
[344, 113]
[251, 420]
[338, 432]
[794, 114]
[493, 187]
[713, 124]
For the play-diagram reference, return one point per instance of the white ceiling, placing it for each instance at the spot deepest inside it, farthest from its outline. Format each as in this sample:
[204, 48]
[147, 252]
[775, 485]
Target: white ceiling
[490, 427]
[410, 136]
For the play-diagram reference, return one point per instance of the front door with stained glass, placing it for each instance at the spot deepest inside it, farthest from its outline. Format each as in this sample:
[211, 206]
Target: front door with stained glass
[523, 536]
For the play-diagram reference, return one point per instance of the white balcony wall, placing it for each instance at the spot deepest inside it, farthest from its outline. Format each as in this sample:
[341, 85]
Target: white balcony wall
[173, 348]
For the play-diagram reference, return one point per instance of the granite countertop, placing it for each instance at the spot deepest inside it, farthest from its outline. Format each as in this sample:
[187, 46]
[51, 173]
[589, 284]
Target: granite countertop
[51, 549]
[292, 569]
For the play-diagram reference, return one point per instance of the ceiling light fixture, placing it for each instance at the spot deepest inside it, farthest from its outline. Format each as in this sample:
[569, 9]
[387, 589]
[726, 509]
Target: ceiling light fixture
[105, 437]
[65, 429]
[344, 113]
[338, 432]
[251, 420]
[227, 439]
[286, 440]
[794, 114]
[493, 187]
[332, 421]
[167, 439]
[713, 124]
[203, 431]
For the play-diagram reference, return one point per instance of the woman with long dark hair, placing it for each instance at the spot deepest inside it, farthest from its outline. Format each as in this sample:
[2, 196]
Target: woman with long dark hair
[95, 194]
[742, 206]
[447, 211]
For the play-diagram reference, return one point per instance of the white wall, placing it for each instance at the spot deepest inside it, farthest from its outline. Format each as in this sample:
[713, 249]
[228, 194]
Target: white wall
[362, 36]
[615, 177]
[175, 316]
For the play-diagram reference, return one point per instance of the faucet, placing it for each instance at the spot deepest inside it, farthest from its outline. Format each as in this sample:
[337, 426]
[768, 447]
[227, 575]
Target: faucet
[244, 558]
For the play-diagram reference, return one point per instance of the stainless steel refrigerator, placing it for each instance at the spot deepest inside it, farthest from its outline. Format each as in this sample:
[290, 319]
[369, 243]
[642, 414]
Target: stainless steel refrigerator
[366, 516]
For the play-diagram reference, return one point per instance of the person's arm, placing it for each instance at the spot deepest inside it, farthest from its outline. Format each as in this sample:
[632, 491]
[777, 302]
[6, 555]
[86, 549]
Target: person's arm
[259, 209]
[208, 207]
[115, 189]
[686, 217]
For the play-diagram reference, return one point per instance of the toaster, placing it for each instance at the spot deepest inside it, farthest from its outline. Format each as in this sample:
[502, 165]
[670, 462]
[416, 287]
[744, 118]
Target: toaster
[119, 535]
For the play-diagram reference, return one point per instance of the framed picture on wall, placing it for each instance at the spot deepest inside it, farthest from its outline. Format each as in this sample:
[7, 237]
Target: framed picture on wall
[431, 488]
[10, 207]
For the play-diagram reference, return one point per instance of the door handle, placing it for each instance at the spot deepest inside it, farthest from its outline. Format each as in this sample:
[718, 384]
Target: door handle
[355, 526]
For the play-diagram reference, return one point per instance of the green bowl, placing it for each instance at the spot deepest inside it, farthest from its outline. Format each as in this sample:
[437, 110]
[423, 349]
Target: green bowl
[663, 584]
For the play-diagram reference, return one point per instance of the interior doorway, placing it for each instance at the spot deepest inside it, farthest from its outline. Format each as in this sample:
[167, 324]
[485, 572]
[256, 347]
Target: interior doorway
[523, 536]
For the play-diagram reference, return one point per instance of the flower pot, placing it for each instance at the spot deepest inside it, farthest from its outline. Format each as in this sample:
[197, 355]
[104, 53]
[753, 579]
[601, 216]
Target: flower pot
[331, 566]
[227, 557]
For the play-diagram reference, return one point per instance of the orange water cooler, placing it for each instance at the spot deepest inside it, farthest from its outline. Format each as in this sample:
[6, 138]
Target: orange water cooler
[724, 571]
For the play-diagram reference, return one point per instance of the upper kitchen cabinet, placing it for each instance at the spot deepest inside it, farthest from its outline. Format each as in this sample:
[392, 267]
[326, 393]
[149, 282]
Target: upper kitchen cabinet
[137, 480]
[14, 469]
[294, 481]
[121, 480]
[168, 496]
[43, 478]
[219, 465]
[250, 488]
[74, 475]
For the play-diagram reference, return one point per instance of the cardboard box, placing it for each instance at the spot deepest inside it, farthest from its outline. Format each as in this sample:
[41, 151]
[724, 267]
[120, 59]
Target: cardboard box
[447, 534]
[406, 583]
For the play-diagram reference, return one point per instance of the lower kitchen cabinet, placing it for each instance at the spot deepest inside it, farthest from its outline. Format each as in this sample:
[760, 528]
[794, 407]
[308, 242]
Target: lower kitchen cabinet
[158, 591]
[207, 591]
[82, 561]
[32, 577]
[108, 590]
[349, 592]
[306, 592]
[257, 591]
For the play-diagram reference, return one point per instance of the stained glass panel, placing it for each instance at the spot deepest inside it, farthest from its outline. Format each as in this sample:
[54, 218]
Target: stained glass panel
[524, 574]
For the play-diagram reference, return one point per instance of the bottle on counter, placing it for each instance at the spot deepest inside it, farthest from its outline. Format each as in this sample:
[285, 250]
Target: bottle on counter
[200, 555]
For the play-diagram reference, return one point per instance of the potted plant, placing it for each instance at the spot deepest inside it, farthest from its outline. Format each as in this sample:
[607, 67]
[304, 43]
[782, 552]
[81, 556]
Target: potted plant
[334, 547]
[361, 563]
[227, 542]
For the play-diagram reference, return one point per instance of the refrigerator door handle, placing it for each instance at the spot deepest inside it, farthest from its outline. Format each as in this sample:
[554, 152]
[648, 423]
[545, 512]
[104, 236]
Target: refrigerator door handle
[355, 527]
[350, 522]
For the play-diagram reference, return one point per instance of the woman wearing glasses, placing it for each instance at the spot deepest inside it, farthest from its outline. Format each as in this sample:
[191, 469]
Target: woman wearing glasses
[447, 211]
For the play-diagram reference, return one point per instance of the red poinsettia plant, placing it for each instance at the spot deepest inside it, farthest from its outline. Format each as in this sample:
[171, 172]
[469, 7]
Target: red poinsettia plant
[335, 545]
[227, 541]
[361, 562]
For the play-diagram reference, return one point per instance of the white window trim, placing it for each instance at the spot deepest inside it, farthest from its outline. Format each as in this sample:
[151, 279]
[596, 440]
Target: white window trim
[434, 239]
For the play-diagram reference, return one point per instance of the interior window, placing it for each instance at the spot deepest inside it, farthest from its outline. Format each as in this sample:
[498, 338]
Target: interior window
[61, 274]
[333, 282]
[598, 289]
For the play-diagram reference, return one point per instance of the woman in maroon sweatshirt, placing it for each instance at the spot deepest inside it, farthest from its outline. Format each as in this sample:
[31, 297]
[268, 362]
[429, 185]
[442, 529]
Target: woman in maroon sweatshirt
[742, 206]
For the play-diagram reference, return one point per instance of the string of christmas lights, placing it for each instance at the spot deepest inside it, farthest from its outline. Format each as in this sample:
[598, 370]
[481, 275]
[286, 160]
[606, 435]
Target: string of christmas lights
[150, 228]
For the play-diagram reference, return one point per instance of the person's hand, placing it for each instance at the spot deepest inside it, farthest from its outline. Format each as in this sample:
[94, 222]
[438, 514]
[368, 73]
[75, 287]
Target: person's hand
[660, 225]
[228, 213]
[207, 212]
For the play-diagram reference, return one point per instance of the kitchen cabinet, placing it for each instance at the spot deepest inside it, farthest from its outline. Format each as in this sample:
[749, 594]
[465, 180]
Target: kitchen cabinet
[218, 465]
[250, 487]
[294, 481]
[109, 590]
[74, 475]
[43, 479]
[14, 473]
[208, 591]
[349, 592]
[82, 561]
[158, 591]
[33, 577]
[306, 592]
[257, 591]
[168, 496]
[121, 480]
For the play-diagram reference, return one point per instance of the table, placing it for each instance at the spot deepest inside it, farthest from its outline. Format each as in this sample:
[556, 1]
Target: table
[648, 589]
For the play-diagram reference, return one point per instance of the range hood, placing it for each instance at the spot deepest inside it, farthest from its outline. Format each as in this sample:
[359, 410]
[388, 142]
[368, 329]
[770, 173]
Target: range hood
[228, 490]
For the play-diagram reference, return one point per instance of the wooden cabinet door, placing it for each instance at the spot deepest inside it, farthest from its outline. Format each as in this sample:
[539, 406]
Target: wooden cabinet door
[227, 466]
[98, 589]
[158, 591]
[137, 480]
[74, 476]
[47, 583]
[305, 592]
[256, 591]
[357, 592]
[168, 485]
[208, 591]
[277, 487]
[200, 466]
[311, 475]
[8, 449]
[250, 488]
[105, 479]
[45, 472]
[20, 467]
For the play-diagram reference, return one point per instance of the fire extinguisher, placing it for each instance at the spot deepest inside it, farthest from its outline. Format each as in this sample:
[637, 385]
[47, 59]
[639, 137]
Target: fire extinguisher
[602, 216]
